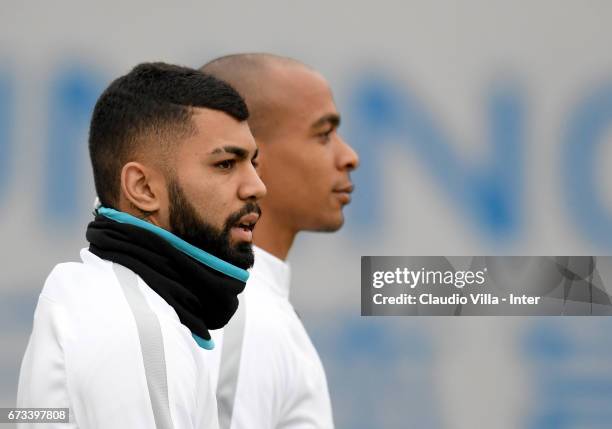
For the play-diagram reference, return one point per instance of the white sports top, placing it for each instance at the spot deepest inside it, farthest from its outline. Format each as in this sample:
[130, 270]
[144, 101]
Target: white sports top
[112, 351]
[270, 375]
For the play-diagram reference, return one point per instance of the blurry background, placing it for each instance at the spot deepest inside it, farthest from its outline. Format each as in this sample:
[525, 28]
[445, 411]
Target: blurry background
[483, 126]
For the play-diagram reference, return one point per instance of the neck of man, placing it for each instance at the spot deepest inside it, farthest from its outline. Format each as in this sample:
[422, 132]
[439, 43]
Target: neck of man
[273, 235]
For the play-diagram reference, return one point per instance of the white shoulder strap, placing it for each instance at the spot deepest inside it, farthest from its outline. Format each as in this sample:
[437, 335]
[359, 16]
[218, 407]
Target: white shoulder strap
[151, 344]
[233, 335]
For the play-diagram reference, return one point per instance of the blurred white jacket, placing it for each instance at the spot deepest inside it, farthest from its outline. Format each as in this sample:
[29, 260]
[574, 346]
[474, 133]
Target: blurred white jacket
[270, 375]
[114, 353]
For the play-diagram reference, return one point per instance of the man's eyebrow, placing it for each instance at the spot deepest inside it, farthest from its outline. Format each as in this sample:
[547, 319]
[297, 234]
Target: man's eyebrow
[236, 150]
[332, 119]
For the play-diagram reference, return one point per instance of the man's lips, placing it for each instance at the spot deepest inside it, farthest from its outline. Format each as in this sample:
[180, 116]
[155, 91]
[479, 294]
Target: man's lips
[343, 193]
[348, 188]
[243, 229]
[248, 220]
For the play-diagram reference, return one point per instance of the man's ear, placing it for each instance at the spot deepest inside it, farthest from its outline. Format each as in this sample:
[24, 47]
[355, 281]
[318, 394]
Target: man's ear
[142, 186]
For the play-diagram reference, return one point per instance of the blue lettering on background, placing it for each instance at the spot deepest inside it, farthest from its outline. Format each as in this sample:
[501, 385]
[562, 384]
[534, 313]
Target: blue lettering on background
[566, 395]
[381, 111]
[401, 382]
[6, 132]
[587, 127]
[73, 94]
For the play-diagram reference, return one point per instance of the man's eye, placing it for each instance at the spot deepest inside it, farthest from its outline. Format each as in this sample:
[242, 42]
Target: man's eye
[324, 137]
[226, 165]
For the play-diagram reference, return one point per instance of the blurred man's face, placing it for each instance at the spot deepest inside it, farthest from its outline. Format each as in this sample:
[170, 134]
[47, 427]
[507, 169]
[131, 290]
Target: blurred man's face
[305, 163]
[214, 188]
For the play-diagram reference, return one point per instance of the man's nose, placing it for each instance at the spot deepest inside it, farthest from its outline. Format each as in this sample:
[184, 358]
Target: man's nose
[253, 187]
[347, 157]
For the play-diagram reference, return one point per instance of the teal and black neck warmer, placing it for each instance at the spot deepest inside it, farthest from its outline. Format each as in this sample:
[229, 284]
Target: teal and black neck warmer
[202, 289]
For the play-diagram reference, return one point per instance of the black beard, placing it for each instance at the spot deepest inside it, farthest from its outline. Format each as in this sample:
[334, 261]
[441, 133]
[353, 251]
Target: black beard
[187, 224]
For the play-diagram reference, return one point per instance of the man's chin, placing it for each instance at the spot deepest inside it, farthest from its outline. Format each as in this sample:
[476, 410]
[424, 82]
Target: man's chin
[331, 224]
[241, 255]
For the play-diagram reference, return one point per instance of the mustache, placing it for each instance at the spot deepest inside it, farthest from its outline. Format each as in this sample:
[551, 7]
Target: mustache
[250, 207]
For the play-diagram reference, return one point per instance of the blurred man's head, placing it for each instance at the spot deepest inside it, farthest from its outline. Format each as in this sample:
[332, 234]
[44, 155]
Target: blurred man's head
[171, 144]
[304, 163]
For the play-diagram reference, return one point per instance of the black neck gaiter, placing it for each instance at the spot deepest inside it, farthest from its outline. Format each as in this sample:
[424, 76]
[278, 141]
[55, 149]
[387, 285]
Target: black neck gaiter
[203, 297]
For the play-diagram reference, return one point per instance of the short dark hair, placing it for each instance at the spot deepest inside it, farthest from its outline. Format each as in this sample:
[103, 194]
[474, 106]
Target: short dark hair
[152, 100]
[252, 75]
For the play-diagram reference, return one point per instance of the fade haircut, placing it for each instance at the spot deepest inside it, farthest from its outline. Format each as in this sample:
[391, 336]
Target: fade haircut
[149, 109]
[250, 74]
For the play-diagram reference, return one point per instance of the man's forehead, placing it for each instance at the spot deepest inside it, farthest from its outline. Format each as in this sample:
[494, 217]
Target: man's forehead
[216, 122]
[207, 116]
[327, 119]
[216, 129]
[241, 146]
[305, 93]
[298, 78]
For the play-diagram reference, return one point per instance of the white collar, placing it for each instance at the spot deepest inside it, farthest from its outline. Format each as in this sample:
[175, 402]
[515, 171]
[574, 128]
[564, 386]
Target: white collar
[272, 271]
[89, 258]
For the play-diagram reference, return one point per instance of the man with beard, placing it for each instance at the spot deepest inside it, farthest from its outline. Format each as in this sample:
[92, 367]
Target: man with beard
[270, 375]
[120, 339]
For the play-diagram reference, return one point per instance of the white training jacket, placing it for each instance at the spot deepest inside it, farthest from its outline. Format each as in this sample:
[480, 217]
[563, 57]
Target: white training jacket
[114, 353]
[269, 373]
